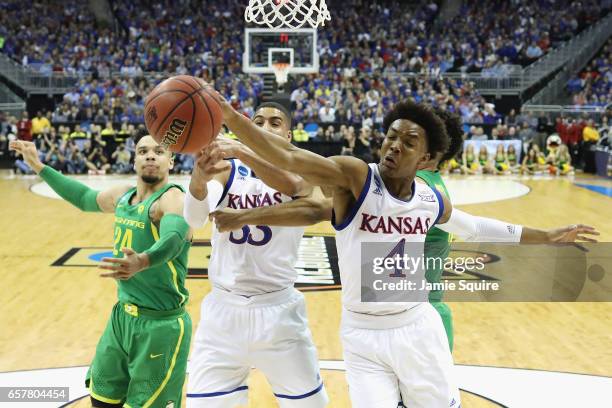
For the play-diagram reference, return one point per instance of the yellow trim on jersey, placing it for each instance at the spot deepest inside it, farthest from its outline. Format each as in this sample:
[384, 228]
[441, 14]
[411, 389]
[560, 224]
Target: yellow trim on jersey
[126, 406]
[170, 265]
[99, 397]
[172, 364]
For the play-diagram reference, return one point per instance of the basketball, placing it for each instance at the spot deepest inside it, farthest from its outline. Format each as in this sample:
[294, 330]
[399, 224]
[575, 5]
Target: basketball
[182, 114]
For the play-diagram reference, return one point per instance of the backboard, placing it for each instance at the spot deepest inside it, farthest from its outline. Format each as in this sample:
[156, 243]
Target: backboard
[265, 46]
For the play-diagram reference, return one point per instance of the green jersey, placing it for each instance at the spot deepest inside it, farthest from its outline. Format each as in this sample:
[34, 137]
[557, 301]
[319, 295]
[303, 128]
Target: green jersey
[437, 242]
[161, 287]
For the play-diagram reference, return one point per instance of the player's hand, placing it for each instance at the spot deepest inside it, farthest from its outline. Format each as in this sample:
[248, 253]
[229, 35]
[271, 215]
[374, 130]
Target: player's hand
[29, 153]
[228, 219]
[126, 267]
[226, 109]
[230, 148]
[209, 162]
[572, 233]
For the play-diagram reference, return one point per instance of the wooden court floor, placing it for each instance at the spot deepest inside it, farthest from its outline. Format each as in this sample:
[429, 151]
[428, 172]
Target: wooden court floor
[52, 316]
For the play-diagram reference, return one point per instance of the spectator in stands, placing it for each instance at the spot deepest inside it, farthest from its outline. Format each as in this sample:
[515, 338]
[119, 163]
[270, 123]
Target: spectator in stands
[526, 135]
[121, 159]
[96, 162]
[56, 156]
[24, 127]
[40, 125]
[362, 148]
[327, 114]
[299, 134]
[349, 142]
[339, 135]
[590, 133]
[108, 136]
[329, 133]
[77, 162]
[79, 136]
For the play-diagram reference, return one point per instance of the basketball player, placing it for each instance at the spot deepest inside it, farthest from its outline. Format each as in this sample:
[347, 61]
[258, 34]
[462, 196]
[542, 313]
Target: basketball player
[393, 351]
[253, 315]
[141, 358]
[437, 243]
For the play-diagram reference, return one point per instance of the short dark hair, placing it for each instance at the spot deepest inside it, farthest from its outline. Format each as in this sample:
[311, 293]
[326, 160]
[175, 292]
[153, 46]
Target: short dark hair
[278, 106]
[454, 130]
[424, 116]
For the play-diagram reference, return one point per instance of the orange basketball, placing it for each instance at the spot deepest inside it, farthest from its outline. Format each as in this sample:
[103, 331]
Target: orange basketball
[182, 114]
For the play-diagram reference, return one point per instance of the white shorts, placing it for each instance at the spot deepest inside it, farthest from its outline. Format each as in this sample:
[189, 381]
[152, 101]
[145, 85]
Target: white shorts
[269, 332]
[411, 363]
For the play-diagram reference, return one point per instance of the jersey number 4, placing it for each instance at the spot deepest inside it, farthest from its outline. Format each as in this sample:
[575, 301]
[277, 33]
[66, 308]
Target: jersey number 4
[247, 236]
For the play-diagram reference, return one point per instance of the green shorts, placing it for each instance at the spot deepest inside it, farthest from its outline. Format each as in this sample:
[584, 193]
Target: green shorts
[447, 320]
[141, 358]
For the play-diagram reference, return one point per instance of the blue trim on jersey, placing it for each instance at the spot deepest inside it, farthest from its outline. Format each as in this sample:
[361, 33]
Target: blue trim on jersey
[217, 394]
[440, 204]
[230, 180]
[356, 207]
[295, 397]
[412, 189]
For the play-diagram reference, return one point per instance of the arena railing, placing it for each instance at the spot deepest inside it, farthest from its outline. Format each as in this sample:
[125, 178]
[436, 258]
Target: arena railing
[569, 111]
[13, 108]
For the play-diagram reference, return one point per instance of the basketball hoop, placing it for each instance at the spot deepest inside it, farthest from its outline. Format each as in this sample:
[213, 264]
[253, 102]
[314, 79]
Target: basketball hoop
[287, 13]
[281, 71]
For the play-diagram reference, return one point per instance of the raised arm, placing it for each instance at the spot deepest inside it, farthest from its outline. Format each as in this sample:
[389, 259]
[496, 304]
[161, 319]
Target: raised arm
[208, 179]
[76, 193]
[347, 173]
[287, 183]
[296, 213]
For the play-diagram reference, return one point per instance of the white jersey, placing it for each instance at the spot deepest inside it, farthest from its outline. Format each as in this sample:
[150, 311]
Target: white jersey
[256, 259]
[377, 216]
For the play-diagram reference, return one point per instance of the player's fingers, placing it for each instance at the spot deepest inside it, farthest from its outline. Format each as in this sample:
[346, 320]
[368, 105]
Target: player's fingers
[110, 275]
[587, 229]
[114, 260]
[116, 268]
[128, 251]
[585, 238]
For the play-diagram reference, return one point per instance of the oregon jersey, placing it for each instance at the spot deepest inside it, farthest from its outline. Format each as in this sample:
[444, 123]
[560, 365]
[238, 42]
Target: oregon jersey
[158, 288]
[436, 241]
[437, 245]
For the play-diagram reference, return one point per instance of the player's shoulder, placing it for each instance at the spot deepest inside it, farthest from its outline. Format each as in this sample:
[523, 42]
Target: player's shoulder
[172, 193]
[116, 192]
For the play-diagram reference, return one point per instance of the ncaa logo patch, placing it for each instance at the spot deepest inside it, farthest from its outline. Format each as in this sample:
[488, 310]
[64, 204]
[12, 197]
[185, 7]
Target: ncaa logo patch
[243, 171]
[170, 404]
[140, 209]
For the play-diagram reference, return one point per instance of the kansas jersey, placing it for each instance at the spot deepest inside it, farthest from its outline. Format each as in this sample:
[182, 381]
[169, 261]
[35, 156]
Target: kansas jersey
[255, 259]
[378, 216]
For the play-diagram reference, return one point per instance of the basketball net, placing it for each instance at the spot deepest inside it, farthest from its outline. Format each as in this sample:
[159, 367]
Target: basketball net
[287, 13]
[281, 71]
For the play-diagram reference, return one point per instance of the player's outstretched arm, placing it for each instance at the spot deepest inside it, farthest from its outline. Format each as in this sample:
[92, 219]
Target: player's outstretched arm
[174, 234]
[287, 183]
[473, 228]
[342, 171]
[78, 194]
[297, 213]
[209, 176]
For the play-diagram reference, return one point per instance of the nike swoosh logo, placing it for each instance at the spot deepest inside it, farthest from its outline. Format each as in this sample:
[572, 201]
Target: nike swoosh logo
[155, 355]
